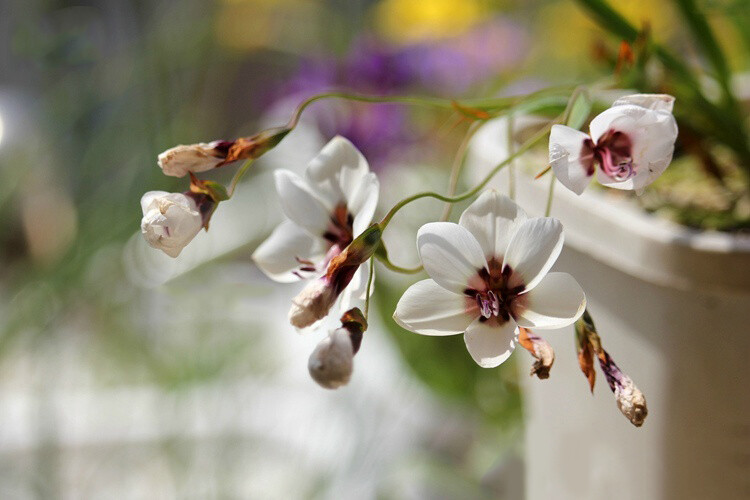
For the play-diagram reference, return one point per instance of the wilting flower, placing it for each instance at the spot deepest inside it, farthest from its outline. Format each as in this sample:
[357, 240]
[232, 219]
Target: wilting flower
[632, 143]
[489, 275]
[183, 159]
[334, 202]
[170, 220]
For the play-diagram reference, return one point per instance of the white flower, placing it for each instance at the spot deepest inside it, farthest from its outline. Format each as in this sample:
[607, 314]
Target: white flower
[632, 142]
[490, 274]
[170, 221]
[333, 203]
[180, 160]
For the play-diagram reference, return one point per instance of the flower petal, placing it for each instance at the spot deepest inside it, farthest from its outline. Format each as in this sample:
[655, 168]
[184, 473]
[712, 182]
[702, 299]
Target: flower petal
[493, 219]
[533, 249]
[363, 202]
[430, 309]
[336, 172]
[557, 301]
[279, 256]
[657, 102]
[653, 134]
[148, 198]
[490, 345]
[450, 254]
[566, 146]
[300, 204]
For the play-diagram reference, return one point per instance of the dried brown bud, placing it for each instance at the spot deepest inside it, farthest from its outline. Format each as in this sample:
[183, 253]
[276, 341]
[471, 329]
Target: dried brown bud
[192, 158]
[313, 303]
[631, 401]
[540, 349]
[180, 160]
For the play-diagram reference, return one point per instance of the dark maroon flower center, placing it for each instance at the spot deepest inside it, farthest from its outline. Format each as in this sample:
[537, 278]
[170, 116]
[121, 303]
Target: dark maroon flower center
[338, 234]
[496, 292]
[613, 153]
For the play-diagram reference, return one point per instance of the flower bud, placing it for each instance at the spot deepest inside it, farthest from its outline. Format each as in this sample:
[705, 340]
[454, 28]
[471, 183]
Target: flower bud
[332, 361]
[180, 160]
[313, 303]
[316, 299]
[631, 401]
[170, 220]
[540, 349]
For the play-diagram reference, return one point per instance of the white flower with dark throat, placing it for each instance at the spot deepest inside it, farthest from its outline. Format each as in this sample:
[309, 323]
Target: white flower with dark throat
[632, 144]
[489, 275]
[334, 202]
[170, 221]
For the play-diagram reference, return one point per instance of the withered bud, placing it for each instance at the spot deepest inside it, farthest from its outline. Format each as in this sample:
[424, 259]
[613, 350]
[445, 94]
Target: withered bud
[632, 402]
[331, 363]
[540, 349]
[342, 267]
[316, 299]
[630, 399]
[313, 303]
[180, 160]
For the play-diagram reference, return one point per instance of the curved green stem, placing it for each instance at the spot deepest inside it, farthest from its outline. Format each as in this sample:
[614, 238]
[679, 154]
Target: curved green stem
[541, 134]
[238, 175]
[550, 195]
[511, 167]
[458, 162]
[419, 101]
[369, 287]
[393, 267]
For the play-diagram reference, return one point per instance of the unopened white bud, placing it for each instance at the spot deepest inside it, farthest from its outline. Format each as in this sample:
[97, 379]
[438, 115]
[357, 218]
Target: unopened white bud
[170, 221]
[631, 401]
[332, 361]
[180, 160]
[312, 304]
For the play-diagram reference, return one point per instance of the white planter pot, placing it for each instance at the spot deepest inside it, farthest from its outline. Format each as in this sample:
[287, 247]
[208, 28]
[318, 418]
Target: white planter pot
[673, 309]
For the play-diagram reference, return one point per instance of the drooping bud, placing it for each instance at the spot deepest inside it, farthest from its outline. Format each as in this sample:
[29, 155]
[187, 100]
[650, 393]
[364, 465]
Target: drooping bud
[540, 349]
[313, 303]
[630, 399]
[180, 160]
[342, 267]
[183, 159]
[332, 362]
[316, 299]
[170, 220]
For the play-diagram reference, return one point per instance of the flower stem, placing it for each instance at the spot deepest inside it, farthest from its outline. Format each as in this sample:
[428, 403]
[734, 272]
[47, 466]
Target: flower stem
[419, 101]
[458, 162]
[541, 134]
[511, 167]
[398, 269]
[369, 287]
[238, 175]
[550, 195]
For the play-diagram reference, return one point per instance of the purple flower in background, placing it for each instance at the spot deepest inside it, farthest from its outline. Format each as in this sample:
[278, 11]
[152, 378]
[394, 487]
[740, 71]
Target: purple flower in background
[450, 67]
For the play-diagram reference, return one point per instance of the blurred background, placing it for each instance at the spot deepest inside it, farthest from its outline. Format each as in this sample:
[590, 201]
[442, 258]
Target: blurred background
[126, 374]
